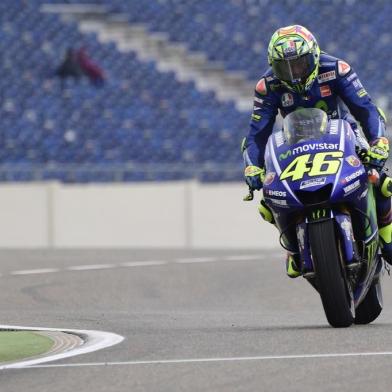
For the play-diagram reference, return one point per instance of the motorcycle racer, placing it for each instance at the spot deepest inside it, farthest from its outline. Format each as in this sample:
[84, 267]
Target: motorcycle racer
[301, 76]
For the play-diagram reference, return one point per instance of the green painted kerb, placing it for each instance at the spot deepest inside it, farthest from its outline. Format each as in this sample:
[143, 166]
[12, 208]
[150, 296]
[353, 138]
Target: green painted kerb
[16, 345]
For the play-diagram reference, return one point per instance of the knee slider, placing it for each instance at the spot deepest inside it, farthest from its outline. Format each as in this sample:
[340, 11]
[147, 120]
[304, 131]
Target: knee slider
[385, 234]
[386, 186]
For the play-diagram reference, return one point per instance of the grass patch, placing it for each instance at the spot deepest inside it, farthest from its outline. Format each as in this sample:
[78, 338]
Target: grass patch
[22, 344]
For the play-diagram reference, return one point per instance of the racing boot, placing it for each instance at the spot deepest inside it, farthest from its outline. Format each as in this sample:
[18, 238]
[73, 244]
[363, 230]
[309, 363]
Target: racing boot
[293, 259]
[384, 217]
[266, 212]
[293, 269]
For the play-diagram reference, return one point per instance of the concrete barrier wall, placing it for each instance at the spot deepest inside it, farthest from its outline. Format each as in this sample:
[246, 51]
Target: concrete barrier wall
[119, 215]
[24, 215]
[173, 214]
[220, 217]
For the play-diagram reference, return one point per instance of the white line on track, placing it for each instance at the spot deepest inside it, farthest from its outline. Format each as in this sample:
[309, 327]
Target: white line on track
[35, 271]
[94, 340]
[230, 359]
[242, 257]
[197, 260]
[88, 267]
[146, 263]
[143, 263]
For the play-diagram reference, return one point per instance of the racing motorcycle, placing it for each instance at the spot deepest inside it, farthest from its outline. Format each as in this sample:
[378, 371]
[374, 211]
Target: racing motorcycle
[322, 200]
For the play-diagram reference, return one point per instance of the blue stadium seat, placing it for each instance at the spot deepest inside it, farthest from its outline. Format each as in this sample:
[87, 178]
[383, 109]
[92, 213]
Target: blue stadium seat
[143, 116]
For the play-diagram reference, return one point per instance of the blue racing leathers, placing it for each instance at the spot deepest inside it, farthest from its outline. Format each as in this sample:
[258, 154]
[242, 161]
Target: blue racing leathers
[337, 90]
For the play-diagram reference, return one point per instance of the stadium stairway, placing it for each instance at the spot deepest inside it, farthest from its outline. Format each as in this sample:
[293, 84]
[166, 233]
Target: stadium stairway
[187, 65]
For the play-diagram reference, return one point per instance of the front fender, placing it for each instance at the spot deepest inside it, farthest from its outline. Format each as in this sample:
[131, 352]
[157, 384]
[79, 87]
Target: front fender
[344, 230]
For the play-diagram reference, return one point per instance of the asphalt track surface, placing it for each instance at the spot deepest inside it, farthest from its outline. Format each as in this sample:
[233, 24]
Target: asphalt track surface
[192, 321]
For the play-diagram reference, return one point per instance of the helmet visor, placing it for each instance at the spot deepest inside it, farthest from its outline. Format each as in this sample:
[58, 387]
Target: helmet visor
[294, 70]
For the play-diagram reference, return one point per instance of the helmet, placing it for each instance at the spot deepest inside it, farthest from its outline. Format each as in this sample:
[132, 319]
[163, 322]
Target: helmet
[294, 55]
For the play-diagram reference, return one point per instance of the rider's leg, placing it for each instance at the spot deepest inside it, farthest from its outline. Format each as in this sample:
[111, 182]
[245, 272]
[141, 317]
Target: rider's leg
[293, 268]
[384, 216]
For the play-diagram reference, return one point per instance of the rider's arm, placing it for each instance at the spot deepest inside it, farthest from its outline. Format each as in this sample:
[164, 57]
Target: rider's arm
[354, 95]
[265, 109]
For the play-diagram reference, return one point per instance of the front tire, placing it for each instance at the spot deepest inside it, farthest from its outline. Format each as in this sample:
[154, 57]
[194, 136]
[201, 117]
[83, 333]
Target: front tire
[334, 292]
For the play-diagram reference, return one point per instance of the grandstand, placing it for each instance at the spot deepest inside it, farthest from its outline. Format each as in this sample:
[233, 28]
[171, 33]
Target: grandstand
[146, 123]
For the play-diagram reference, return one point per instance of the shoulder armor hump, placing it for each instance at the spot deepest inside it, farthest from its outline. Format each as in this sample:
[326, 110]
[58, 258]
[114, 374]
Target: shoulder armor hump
[261, 87]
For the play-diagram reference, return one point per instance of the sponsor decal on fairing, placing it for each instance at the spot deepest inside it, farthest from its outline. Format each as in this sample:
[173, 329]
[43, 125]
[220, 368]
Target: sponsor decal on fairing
[313, 182]
[353, 161]
[271, 192]
[314, 147]
[352, 176]
[285, 155]
[269, 178]
[351, 188]
[279, 202]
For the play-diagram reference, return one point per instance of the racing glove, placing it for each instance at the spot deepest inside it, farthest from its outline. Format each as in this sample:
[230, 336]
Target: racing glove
[377, 154]
[254, 177]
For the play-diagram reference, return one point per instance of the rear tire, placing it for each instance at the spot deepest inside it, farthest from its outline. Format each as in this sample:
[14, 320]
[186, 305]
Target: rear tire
[370, 308]
[334, 292]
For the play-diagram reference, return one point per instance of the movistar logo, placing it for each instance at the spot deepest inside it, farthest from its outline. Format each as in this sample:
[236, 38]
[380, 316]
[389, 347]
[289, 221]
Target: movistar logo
[314, 146]
[285, 155]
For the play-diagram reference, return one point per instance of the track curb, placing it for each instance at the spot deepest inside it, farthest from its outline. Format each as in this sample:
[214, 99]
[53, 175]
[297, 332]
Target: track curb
[69, 343]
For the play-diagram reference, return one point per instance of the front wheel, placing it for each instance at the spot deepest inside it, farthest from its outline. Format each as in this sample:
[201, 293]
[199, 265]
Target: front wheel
[332, 286]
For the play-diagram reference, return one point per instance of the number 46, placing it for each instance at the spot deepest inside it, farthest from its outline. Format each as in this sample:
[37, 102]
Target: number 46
[317, 166]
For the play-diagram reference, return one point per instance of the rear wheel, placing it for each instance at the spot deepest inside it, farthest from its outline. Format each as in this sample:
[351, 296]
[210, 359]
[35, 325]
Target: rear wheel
[370, 308]
[332, 286]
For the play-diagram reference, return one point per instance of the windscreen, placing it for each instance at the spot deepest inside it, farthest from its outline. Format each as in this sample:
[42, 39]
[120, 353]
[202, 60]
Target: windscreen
[304, 124]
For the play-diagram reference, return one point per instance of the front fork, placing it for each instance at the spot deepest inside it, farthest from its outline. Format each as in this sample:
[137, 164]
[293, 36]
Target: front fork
[361, 262]
[349, 248]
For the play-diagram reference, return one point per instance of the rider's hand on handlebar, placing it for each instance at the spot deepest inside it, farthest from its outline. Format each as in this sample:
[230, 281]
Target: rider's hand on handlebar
[254, 177]
[377, 154]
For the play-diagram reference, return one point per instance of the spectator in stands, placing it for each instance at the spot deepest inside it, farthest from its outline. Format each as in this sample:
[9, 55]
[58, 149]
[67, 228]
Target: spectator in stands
[70, 67]
[90, 68]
